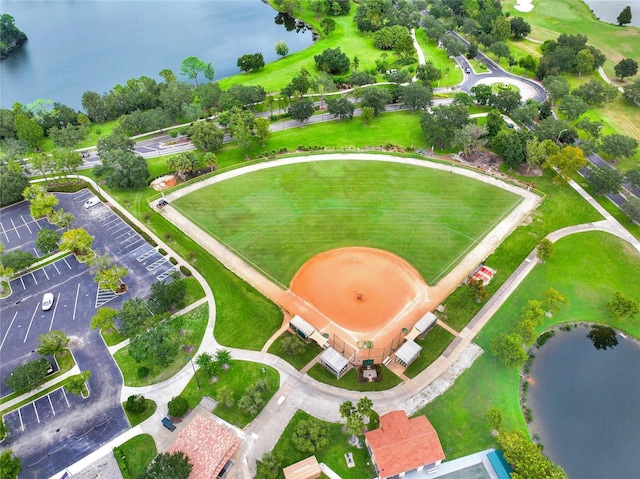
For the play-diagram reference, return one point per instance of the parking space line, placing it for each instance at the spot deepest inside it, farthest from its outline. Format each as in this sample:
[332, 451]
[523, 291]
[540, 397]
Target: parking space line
[122, 227]
[36, 411]
[135, 251]
[37, 254]
[65, 262]
[64, 395]
[15, 228]
[31, 322]
[76, 303]
[156, 264]
[44, 270]
[25, 223]
[55, 308]
[38, 225]
[22, 281]
[4, 232]
[34, 278]
[54, 265]
[21, 423]
[51, 404]
[166, 274]
[8, 329]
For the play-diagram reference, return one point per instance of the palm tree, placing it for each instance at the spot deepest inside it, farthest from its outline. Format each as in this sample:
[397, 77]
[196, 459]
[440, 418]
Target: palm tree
[62, 218]
[355, 425]
[364, 406]
[211, 160]
[223, 356]
[346, 410]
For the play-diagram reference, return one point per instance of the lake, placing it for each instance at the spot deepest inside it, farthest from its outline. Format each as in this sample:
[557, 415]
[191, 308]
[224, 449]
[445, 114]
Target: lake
[608, 11]
[75, 46]
[585, 403]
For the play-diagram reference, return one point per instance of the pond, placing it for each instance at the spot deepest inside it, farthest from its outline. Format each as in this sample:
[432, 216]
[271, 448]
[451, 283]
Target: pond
[75, 46]
[583, 391]
[608, 10]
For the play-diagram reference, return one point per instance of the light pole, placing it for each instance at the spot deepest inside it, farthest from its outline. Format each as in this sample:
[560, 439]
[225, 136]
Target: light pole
[558, 139]
[195, 373]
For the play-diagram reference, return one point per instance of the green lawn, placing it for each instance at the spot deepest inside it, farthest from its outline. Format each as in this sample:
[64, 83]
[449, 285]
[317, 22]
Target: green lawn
[300, 360]
[451, 74]
[280, 217]
[190, 334]
[350, 380]
[332, 455]
[433, 345]
[588, 268]
[136, 418]
[138, 452]
[238, 377]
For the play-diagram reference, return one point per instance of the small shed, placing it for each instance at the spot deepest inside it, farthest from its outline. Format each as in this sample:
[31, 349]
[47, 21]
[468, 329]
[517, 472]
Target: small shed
[334, 362]
[306, 469]
[408, 352]
[301, 327]
[426, 323]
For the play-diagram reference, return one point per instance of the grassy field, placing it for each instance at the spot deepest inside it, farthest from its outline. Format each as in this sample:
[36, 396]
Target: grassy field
[587, 268]
[238, 377]
[350, 380]
[451, 73]
[281, 217]
[300, 360]
[433, 345]
[332, 455]
[138, 452]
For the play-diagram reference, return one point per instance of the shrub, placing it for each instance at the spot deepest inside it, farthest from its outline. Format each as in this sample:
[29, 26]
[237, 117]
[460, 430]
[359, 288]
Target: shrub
[178, 406]
[173, 261]
[162, 252]
[310, 436]
[17, 259]
[142, 372]
[184, 270]
[135, 404]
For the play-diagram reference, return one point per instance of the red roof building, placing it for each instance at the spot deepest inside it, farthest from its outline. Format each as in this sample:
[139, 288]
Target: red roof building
[401, 445]
[208, 445]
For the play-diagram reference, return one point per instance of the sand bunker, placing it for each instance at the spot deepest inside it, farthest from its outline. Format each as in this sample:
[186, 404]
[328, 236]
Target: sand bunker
[524, 6]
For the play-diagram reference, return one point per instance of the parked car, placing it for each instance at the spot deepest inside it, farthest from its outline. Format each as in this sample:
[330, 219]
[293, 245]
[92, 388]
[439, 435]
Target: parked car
[166, 422]
[162, 203]
[94, 200]
[47, 301]
[467, 71]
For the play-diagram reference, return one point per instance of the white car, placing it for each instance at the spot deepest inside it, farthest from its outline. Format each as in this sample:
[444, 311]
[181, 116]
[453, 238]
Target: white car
[94, 200]
[47, 301]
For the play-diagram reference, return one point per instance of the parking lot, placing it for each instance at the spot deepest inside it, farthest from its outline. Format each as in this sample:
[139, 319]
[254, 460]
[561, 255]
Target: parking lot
[58, 429]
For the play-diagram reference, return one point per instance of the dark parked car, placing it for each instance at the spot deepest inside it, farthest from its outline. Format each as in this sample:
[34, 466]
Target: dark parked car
[166, 422]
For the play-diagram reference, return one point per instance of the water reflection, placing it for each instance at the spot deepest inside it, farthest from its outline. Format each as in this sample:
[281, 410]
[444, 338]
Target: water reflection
[603, 337]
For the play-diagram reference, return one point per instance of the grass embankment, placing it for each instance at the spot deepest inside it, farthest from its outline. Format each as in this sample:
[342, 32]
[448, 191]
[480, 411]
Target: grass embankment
[239, 376]
[135, 455]
[279, 218]
[587, 268]
[350, 380]
[188, 334]
[332, 455]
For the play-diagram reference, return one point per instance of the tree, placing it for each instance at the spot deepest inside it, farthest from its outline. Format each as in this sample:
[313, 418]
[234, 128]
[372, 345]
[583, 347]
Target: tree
[619, 146]
[134, 317]
[76, 240]
[104, 319]
[111, 278]
[6, 274]
[123, 169]
[52, 343]
[553, 301]
[591, 127]
[366, 115]
[376, 99]
[566, 162]
[178, 406]
[438, 124]
[251, 401]
[494, 123]
[251, 62]
[428, 73]
[47, 240]
[333, 61]
[416, 96]
[631, 208]
[622, 307]
[17, 260]
[595, 93]
[573, 107]
[482, 93]
[347, 409]
[625, 16]
[604, 180]
[27, 129]
[282, 49]
[155, 345]
[340, 107]
[77, 384]
[545, 250]
[28, 376]
[193, 66]
[626, 67]
[508, 348]
[494, 417]
[500, 49]
[135, 404]
[10, 466]
[302, 109]
[41, 202]
[13, 181]
[168, 296]
[183, 163]
[526, 457]
[519, 27]
[632, 92]
[506, 100]
[476, 286]
[511, 145]
[169, 466]
[223, 356]
[211, 160]
[291, 345]
[206, 136]
[469, 137]
[556, 86]
[633, 176]
[328, 25]
[538, 151]
[355, 425]
[584, 62]
[365, 406]
[261, 130]
[310, 435]
[225, 397]
[61, 218]
[271, 462]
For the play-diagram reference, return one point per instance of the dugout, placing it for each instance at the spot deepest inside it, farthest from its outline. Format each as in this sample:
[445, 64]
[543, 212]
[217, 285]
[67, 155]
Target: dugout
[425, 324]
[408, 352]
[334, 362]
[301, 327]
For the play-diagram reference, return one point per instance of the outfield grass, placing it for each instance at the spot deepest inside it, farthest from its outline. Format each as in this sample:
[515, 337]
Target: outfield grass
[238, 377]
[280, 217]
[300, 360]
[587, 268]
[191, 332]
[350, 380]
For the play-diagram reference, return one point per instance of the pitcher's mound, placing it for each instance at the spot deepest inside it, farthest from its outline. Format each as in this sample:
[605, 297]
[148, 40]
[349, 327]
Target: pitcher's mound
[360, 289]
